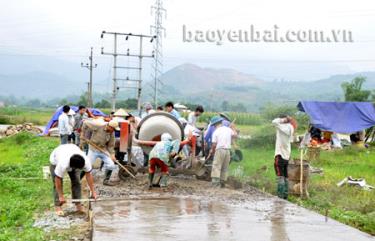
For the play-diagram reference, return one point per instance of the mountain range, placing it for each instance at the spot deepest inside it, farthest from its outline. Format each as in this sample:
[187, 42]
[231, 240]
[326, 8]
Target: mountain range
[183, 83]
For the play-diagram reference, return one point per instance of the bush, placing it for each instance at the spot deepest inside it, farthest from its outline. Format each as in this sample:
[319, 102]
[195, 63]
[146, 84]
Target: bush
[242, 118]
[264, 137]
[270, 112]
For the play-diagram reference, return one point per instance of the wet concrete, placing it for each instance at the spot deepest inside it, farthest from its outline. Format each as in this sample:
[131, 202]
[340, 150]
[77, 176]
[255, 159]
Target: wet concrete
[186, 218]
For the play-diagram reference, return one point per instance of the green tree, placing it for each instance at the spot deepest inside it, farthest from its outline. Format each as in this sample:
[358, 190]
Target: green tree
[103, 104]
[83, 100]
[36, 103]
[65, 102]
[239, 107]
[127, 104]
[225, 105]
[353, 90]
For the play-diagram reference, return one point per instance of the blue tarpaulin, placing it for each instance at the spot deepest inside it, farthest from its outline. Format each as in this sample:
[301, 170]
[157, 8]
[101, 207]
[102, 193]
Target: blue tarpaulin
[340, 117]
[58, 112]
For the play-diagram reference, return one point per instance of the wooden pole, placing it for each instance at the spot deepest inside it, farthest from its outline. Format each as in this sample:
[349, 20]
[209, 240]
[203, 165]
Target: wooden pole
[301, 174]
[106, 152]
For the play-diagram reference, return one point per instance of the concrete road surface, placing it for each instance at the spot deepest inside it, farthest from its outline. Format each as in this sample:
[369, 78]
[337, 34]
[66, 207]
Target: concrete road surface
[179, 218]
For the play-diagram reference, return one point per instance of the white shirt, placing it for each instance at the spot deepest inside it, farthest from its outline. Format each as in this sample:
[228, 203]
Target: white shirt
[222, 136]
[191, 129]
[192, 119]
[60, 157]
[284, 136]
[65, 125]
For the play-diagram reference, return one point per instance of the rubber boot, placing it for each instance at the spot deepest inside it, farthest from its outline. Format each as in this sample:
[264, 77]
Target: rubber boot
[150, 180]
[82, 174]
[280, 187]
[107, 177]
[164, 180]
[222, 183]
[286, 188]
[215, 182]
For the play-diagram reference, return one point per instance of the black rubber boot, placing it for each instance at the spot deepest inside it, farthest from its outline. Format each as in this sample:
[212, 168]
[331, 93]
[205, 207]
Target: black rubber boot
[280, 186]
[107, 177]
[286, 188]
[82, 175]
[150, 180]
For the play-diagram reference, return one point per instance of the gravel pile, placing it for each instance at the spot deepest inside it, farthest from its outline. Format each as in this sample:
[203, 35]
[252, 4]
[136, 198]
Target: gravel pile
[14, 129]
[50, 221]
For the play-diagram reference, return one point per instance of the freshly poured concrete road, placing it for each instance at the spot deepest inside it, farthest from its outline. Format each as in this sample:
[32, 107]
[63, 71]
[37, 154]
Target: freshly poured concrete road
[184, 218]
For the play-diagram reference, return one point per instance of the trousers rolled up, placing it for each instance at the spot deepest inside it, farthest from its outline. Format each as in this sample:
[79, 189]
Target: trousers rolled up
[220, 164]
[74, 176]
[107, 161]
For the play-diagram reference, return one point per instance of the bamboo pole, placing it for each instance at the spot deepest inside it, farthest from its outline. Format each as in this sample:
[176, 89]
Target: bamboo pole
[301, 174]
[106, 152]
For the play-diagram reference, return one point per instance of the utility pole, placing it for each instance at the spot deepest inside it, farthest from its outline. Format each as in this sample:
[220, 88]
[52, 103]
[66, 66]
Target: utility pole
[156, 30]
[140, 56]
[88, 94]
[89, 66]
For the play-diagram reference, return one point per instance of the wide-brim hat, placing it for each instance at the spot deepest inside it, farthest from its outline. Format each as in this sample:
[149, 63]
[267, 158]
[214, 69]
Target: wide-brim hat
[225, 116]
[121, 113]
[216, 119]
[114, 124]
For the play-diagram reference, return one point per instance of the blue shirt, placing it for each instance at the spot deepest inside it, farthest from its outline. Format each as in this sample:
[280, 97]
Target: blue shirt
[163, 149]
[208, 136]
[175, 114]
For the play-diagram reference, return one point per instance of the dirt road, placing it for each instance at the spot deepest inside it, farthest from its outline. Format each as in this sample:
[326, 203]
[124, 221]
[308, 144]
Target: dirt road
[192, 210]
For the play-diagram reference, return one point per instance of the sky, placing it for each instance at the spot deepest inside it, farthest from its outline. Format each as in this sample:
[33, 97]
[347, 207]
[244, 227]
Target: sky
[67, 29]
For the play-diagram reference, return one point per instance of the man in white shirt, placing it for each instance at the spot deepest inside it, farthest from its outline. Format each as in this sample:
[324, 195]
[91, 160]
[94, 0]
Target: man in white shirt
[65, 125]
[285, 127]
[148, 109]
[193, 116]
[221, 145]
[69, 158]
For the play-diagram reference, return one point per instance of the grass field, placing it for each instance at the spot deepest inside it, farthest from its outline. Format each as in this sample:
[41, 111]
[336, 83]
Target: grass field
[22, 156]
[19, 115]
[350, 205]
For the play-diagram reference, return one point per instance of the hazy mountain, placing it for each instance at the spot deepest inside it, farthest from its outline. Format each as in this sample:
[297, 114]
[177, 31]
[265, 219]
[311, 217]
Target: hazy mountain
[191, 79]
[47, 78]
[41, 85]
[195, 84]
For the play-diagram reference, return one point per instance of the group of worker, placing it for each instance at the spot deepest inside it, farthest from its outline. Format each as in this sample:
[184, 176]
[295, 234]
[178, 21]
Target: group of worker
[96, 140]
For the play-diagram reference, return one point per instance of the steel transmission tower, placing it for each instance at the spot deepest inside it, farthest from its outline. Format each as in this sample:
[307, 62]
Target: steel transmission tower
[157, 30]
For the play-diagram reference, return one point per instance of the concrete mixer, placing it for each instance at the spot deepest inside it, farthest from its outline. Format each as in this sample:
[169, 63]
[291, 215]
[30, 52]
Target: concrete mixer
[148, 134]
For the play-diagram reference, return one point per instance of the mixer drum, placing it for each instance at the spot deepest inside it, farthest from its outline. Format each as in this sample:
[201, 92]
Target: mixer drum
[154, 125]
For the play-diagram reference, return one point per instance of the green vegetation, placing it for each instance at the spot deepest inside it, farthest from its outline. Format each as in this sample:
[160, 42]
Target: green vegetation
[353, 90]
[20, 115]
[349, 205]
[23, 156]
[240, 118]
